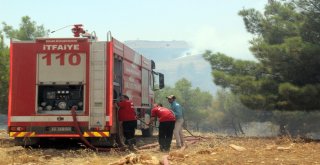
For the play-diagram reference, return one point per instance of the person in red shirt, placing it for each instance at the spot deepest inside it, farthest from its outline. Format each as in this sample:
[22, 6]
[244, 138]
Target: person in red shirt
[127, 116]
[166, 126]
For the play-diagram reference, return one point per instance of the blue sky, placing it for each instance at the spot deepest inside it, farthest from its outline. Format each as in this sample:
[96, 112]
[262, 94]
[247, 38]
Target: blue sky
[205, 24]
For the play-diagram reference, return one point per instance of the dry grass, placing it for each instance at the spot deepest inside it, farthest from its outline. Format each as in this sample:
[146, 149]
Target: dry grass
[212, 150]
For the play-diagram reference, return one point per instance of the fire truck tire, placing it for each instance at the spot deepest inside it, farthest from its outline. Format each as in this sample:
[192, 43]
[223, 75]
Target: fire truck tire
[25, 141]
[101, 142]
[147, 132]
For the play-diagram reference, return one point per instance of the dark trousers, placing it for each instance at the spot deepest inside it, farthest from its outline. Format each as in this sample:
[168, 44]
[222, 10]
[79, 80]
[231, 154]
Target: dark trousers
[129, 130]
[165, 134]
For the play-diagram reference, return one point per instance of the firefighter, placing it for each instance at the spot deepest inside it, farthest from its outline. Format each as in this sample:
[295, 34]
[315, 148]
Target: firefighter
[166, 125]
[127, 117]
[177, 109]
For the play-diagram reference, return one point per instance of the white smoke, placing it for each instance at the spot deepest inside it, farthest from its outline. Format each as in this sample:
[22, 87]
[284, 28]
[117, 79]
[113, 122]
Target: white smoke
[234, 43]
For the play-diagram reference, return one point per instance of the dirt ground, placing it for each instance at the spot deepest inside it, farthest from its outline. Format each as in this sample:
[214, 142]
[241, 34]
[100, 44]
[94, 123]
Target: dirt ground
[206, 149]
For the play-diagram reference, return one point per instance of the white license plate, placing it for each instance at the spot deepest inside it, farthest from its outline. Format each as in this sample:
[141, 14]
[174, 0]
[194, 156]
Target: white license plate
[60, 129]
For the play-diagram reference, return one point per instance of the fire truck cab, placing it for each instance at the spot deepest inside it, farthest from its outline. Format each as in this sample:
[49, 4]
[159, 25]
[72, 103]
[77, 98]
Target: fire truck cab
[51, 76]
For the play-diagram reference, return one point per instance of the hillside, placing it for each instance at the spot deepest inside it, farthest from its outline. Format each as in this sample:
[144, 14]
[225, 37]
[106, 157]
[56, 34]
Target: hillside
[173, 58]
[193, 67]
[159, 50]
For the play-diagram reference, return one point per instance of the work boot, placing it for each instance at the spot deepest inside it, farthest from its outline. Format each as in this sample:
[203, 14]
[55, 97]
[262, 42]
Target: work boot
[133, 148]
[131, 144]
[161, 148]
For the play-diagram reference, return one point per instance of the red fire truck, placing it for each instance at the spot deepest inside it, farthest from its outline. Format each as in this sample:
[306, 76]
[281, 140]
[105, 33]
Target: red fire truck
[51, 76]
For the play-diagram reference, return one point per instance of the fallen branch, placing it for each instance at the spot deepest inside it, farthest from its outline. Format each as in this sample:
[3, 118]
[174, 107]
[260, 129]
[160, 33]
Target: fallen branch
[148, 146]
[238, 148]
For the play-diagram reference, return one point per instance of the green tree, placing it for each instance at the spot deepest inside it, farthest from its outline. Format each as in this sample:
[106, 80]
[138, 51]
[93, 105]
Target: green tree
[228, 113]
[4, 75]
[28, 30]
[286, 45]
[311, 28]
[286, 76]
[195, 103]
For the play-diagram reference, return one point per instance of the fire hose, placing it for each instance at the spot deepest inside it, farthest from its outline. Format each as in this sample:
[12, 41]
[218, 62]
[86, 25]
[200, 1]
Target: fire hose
[158, 127]
[147, 124]
[82, 138]
[89, 145]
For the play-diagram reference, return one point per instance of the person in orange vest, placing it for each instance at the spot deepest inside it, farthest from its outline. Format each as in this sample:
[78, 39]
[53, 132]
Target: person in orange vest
[166, 125]
[127, 116]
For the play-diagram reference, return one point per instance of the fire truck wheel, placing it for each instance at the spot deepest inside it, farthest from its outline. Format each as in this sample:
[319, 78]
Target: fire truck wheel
[101, 142]
[147, 132]
[26, 141]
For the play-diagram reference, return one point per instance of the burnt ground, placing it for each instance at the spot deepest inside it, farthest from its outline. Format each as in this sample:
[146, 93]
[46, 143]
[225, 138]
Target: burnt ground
[207, 149]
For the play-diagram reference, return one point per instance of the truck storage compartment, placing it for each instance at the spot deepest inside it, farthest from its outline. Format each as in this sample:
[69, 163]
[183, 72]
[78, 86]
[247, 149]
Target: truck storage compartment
[59, 98]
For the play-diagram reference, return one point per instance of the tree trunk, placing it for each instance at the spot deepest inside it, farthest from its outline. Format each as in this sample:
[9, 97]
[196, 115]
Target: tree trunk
[282, 130]
[234, 127]
[197, 126]
[282, 125]
[240, 128]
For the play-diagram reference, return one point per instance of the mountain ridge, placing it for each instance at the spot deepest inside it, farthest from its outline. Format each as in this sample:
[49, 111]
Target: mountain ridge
[174, 60]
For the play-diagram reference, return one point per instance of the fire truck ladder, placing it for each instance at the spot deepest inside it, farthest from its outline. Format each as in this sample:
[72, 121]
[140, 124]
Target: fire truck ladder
[97, 85]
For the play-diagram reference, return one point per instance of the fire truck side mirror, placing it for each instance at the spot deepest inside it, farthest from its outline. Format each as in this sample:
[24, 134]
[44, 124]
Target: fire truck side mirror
[158, 80]
[161, 81]
[153, 65]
